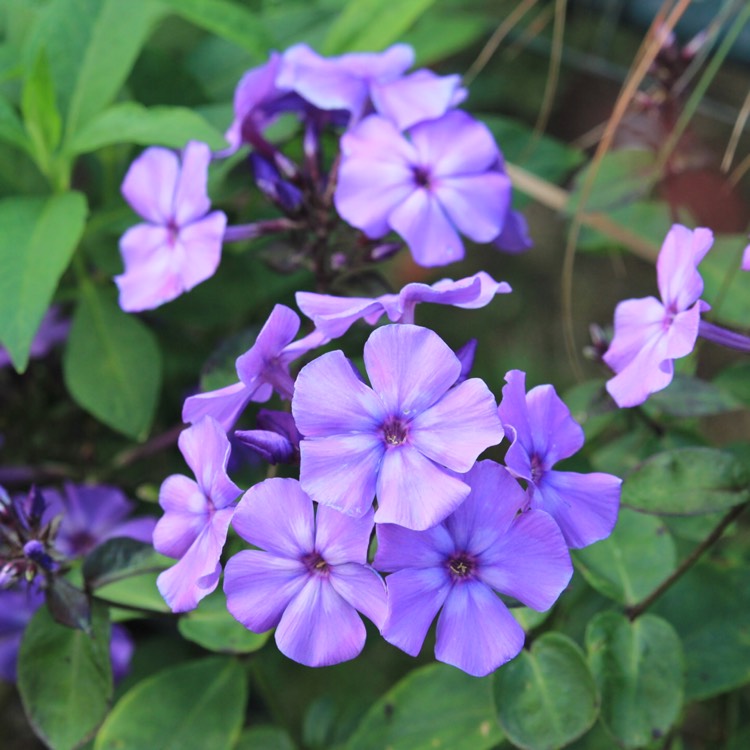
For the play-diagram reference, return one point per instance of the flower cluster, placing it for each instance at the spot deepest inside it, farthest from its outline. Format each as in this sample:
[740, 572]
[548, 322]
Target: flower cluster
[408, 162]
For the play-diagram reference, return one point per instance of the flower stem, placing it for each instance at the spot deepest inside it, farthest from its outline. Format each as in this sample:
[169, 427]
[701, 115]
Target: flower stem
[722, 336]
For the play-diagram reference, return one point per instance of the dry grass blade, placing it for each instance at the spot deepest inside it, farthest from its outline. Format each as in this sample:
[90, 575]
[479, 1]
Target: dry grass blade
[555, 59]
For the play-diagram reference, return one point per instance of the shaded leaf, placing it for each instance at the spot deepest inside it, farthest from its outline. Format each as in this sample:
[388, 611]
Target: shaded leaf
[11, 128]
[726, 287]
[112, 364]
[119, 558]
[68, 605]
[691, 397]
[639, 669]
[37, 239]
[434, 706]
[632, 561]
[136, 591]
[192, 706]
[546, 697]
[65, 678]
[735, 380]
[265, 738]
[687, 481]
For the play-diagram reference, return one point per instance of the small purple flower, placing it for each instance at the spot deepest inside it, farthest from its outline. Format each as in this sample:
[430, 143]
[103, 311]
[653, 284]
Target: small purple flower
[52, 330]
[403, 438]
[89, 515]
[309, 577]
[487, 545]
[180, 246]
[746, 259]
[650, 334]
[196, 517]
[334, 315]
[446, 178]
[276, 439]
[261, 369]
[542, 432]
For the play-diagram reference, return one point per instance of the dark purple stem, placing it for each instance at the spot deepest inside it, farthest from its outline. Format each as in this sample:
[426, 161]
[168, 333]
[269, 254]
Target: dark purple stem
[722, 336]
[259, 228]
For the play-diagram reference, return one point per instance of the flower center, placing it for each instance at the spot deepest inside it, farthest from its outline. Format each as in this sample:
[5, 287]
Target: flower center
[315, 563]
[395, 432]
[536, 468]
[421, 176]
[461, 566]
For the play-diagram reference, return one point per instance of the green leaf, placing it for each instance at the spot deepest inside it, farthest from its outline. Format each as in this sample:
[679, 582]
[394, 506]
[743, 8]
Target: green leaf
[65, 678]
[735, 380]
[226, 19]
[440, 34]
[118, 558]
[39, 109]
[136, 591]
[640, 670]
[211, 626]
[546, 697]
[434, 706]
[265, 738]
[726, 287]
[91, 46]
[691, 397]
[193, 706]
[37, 239]
[11, 128]
[112, 364]
[371, 25]
[632, 561]
[130, 122]
[687, 481]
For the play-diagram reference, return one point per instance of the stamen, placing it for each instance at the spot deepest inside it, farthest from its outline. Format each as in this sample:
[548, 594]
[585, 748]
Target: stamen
[461, 566]
[395, 432]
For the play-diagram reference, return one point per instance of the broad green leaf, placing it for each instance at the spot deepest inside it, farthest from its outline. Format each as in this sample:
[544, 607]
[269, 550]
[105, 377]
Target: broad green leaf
[546, 697]
[710, 609]
[136, 591]
[640, 671]
[37, 239]
[438, 35]
[91, 46]
[130, 122]
[211, 626]
[121, 557]
[690, 397]
[687, 481]
[11, 128]
[632, 561]
[371, 25]
[265, 738]
[726, 287]
[649, 220]
[65, 678]
[193, 706]
[736, 381]
[229, 20]
[434, 706]
[39, 109]
[112, 364]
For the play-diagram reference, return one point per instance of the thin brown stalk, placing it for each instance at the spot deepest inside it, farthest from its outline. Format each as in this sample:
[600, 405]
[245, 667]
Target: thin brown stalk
[734, 139]
[553, 76]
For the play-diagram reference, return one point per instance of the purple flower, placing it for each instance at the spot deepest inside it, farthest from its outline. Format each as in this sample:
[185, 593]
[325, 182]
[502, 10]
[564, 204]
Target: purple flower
[447, 177]
[17, 607]
[309, 577]
[542, 432]
[261, 369]
[334, 315]
[196, 517]
[650, 334]
[487, 545]
[180, 246]
[402, 438]
[276, 440]
[92, 514]
[52, 330]
[746, 259]
[341, 83]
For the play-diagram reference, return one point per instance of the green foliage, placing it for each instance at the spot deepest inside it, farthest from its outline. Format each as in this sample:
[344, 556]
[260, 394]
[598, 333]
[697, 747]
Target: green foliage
[65, 678]
[546, 697]
[687, 481]
[727, 288]
[37, 239]
[435, 706]
[264, 738]
[39, 108]
[112, 364]
[118, 558]
[690, 397]
[193, 706]
[639, 670]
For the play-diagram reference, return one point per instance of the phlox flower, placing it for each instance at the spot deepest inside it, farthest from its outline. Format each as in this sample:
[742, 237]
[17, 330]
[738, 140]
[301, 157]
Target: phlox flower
[276, 438]
[446, 177]
[334, 315]
[403, 438]
[542, 432]
[196, 517]
[651, 333]
[180, 245]
[308, 578]
[486, 545]
[261, 369]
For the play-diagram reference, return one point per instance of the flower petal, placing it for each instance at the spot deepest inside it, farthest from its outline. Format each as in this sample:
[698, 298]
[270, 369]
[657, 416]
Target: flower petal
[339, 538]
[400, 548]
[680, 283]
[259, 587]
[201, 242]
[555, 435]
[414, 492]
[319, 627]
[363, 588]
[455, 430]
[191, 197]
[414, 598]
[150, 182]
[185, 515]
[224, 405]
[475, 631]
